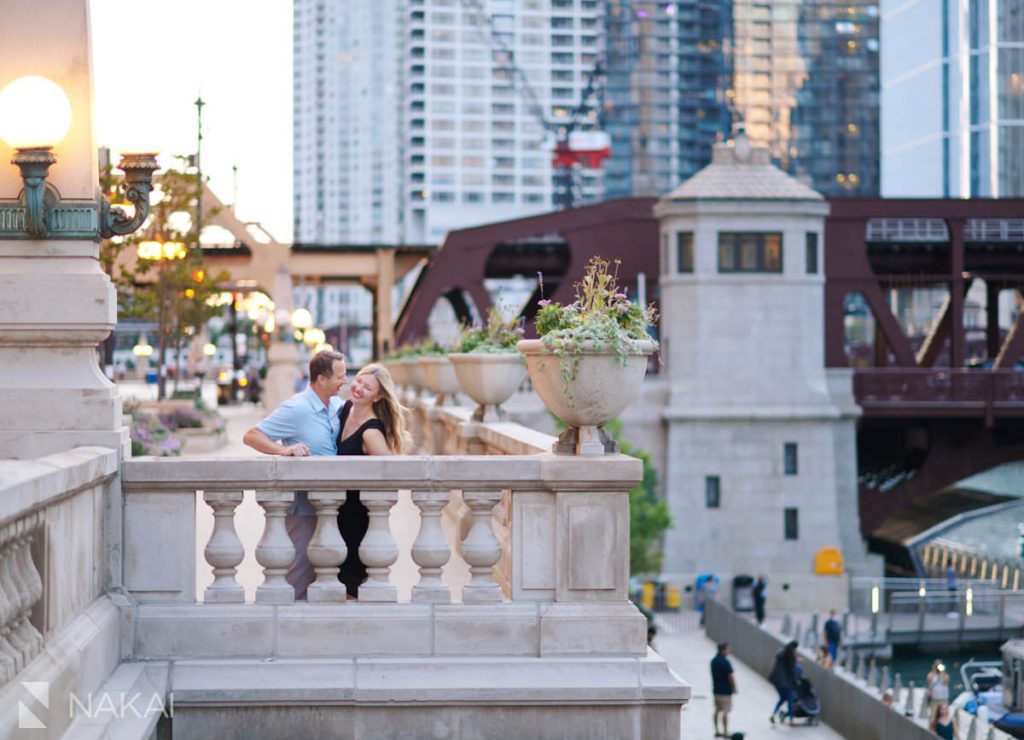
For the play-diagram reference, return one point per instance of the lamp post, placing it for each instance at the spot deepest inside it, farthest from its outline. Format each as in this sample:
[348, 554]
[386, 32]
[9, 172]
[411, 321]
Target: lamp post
[162, 253]
[58, 302]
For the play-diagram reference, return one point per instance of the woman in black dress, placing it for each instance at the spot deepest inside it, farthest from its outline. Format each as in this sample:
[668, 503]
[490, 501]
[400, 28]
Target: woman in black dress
[371, 424]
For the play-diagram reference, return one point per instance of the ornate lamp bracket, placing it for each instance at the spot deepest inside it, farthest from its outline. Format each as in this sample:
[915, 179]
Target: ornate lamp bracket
[40, 213]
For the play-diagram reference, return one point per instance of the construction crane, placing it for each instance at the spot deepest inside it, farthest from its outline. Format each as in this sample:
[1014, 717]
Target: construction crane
[571, 146]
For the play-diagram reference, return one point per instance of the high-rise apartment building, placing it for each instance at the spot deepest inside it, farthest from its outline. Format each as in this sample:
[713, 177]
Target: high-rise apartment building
[952, 98]
[420, 116]
[800, 75]
[427, 115]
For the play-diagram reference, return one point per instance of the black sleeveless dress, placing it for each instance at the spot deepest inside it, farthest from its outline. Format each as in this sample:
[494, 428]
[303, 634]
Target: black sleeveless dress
[353, 519]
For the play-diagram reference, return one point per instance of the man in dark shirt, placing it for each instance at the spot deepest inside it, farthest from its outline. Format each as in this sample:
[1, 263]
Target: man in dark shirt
[833, 635]
[723, 686]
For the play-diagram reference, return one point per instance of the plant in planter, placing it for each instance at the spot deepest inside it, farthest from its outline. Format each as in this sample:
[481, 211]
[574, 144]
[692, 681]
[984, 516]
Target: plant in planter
[591, 357]
[488, 365]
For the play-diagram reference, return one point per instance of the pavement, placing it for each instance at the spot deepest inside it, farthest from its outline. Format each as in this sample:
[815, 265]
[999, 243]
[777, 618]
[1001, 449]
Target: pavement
[682, 643]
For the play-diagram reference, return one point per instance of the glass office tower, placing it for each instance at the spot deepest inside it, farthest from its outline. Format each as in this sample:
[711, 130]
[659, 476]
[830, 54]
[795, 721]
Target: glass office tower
[800, 75]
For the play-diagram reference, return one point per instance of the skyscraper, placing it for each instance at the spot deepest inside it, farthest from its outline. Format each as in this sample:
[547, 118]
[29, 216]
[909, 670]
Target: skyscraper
[952, 98]
[418, 117]
[427, 115]
[800, 75]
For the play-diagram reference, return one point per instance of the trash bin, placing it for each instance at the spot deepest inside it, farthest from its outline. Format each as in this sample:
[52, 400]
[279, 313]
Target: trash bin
[743, 593]
[673, 598]
[151, 377]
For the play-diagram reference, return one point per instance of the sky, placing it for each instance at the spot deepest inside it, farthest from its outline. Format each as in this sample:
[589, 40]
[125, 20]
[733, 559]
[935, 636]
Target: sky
[153, 58]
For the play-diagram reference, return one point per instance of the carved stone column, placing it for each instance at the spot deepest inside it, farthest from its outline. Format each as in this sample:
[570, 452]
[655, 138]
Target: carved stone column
[327, 550]
[430, 550]
[224, 550]
[275, 551]
[480, 549]
[378, 550]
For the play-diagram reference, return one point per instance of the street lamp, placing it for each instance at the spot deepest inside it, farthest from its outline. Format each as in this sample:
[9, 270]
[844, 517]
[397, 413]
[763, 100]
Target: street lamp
[35, 116]
[162, 253]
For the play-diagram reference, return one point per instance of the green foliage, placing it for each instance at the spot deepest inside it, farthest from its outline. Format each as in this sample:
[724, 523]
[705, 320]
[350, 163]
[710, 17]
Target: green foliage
[601, 314]
[498, 337]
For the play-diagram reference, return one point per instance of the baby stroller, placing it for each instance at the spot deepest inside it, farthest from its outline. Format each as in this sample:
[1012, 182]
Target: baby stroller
[805, 701]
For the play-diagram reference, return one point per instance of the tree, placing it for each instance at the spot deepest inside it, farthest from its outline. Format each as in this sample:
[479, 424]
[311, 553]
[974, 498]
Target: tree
[180, 296]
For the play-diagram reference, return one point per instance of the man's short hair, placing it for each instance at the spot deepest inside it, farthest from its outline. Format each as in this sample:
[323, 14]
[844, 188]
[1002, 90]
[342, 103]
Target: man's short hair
[322, 364]
[722, 647]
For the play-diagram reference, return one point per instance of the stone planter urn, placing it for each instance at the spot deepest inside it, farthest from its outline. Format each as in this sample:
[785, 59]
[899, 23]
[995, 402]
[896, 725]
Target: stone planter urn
[408, 369]
[585, 389]
[439, 377]
[397, 370]
[490, 379]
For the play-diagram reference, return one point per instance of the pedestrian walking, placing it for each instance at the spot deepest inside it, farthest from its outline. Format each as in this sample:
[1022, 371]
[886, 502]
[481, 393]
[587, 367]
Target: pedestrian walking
[723, 686]
[833, 635]
[760, 596]
[783, 678]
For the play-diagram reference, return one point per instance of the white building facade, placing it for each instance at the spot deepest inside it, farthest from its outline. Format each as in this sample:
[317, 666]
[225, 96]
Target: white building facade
[424, 116]
[952, 98]
[761, 442]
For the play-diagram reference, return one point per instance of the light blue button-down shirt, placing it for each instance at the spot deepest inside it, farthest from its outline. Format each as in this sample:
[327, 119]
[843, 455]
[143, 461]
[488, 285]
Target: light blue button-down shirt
[305, 418]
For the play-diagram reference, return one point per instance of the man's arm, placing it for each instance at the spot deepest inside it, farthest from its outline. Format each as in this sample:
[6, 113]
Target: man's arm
[260, 442]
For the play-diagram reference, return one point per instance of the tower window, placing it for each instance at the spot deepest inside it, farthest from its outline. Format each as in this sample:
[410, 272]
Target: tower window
[791, 524]
[684, 251]
[712, 492]
[749, 252]
[789, 459]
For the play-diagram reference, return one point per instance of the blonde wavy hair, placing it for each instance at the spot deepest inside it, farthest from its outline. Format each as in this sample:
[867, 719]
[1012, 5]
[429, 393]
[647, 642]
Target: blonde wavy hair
[388, 409]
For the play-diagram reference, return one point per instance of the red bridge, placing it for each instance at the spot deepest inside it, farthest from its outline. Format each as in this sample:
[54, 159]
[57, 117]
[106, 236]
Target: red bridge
[940, 381]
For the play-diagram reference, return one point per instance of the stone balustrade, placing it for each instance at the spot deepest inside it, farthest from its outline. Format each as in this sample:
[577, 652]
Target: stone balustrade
[553, 573]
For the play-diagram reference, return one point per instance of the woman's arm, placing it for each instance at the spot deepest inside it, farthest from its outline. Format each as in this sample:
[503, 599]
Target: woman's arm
[374, 443]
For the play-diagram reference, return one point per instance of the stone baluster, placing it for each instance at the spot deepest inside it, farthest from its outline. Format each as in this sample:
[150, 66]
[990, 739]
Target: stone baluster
[29, 574]
[908, 709]
[326, 549]
[17, 593]
[862, 672]
[787, 624]
[430, 550]
[883, 683]
[872, 677]
[224, 550]
[480, 549]
[897, 687]
[991, 733]
[798, 632]
[275, 551]
[9, 653]
[972, 730]
[378, 550]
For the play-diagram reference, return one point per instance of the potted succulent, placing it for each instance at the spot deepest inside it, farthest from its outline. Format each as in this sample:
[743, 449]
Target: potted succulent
[437, 372]
[591, 357]
[488, 365]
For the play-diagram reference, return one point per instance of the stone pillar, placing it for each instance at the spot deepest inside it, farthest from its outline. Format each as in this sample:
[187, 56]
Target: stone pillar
[58, 304]
[430, 550]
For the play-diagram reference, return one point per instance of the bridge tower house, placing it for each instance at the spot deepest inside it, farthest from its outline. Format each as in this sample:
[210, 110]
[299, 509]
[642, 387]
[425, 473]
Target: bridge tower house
[761, 470]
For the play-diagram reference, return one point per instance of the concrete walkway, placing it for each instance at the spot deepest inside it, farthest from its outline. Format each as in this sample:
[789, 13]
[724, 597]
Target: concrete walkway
[682, 643]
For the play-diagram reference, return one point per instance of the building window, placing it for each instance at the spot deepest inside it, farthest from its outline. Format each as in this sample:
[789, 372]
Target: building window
[749, 252]
[712, 492]
[812, 253]
[789, 458]
[791, 524]
[684, 251]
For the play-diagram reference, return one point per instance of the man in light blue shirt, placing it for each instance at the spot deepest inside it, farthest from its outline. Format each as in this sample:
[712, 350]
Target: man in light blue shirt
[306, 424]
